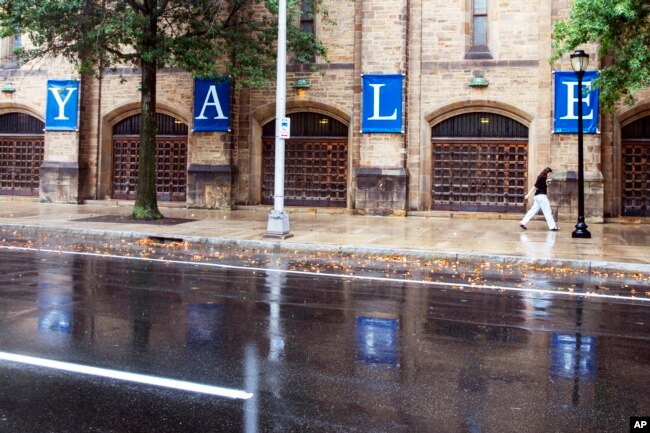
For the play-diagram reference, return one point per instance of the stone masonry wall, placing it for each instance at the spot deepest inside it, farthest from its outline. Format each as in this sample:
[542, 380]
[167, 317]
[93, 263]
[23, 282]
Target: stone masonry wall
[331, 92]
[564, 150]
[428, 41]
[381, 180]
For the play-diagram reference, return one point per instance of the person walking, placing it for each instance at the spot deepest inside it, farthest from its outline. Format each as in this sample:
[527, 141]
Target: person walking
[541, 201]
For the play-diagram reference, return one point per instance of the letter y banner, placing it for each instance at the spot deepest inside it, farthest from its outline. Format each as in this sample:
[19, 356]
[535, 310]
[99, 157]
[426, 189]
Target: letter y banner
[62, 105]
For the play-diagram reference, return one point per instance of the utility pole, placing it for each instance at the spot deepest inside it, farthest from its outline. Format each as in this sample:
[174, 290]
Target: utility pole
[278, 223]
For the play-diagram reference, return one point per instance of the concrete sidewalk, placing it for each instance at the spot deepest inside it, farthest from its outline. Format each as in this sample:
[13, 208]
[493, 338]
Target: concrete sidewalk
[613, 245]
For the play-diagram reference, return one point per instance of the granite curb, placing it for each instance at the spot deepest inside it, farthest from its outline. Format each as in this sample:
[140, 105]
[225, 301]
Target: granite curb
[588, 267]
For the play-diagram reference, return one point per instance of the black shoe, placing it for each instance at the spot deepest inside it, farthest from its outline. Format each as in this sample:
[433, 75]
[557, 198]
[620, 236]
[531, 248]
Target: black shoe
[555, 229]
[523, 226]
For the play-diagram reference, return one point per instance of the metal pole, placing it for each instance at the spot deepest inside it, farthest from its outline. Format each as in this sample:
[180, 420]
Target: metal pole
[581, 228]
[278, 223]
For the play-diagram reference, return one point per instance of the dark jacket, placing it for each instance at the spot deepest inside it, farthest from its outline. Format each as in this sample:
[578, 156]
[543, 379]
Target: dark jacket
[540, 184]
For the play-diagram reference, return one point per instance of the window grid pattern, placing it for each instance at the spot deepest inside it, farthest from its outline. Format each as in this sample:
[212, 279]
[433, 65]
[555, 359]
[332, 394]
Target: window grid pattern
[171, 167]
[636, 178]
[20, 162]
[315, 172]
[479, 163]
[21, 154]
[479, 176]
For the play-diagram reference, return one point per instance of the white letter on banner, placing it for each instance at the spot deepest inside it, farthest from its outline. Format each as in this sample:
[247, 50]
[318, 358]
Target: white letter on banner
[61, 103]
[572, 99]
[212, 92]
[375, 114]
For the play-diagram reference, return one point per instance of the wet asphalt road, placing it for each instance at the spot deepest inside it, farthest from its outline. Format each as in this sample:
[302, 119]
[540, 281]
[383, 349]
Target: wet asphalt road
[317, 353]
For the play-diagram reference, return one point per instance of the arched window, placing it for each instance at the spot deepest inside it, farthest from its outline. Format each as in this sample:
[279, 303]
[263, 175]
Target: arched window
[21, 154]
[171, 158]
[479, 163]
[316, 161]
[636, 168]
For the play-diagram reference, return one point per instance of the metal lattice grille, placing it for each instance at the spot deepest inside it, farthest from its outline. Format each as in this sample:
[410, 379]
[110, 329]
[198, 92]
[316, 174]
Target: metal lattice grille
[480, 125]
[636, 178]
[171, 167]
[477, 175]
[315, 172]
[20, 161]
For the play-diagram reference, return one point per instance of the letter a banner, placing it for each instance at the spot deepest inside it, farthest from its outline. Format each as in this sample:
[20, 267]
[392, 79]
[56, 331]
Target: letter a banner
[62, 105]
[567, 96]
[211, 105]
[382, 103]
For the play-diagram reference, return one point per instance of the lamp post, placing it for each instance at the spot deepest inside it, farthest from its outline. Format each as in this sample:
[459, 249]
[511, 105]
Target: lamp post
[278, 222]
[579, 63]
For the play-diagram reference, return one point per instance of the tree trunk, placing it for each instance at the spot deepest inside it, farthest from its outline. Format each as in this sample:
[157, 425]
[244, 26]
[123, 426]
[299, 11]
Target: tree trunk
[146, 203]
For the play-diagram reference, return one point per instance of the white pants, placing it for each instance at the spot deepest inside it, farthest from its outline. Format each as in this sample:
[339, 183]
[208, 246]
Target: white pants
[541, 202]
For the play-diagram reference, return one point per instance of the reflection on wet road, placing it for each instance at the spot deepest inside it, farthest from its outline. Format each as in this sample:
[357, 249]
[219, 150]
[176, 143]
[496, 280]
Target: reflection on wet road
[317, 353]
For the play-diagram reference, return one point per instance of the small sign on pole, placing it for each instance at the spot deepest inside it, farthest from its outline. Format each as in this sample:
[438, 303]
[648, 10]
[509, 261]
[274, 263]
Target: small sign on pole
[285, 127]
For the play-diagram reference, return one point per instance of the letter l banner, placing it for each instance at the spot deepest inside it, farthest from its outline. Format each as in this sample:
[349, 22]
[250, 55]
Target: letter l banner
[382, 103]
[62, 105]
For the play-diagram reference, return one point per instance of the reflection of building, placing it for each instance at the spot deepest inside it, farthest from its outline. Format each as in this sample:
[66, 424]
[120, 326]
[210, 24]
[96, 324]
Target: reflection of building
[573, 356]
[477, 103]
[377, 340]
[55, 304]
[204, 322]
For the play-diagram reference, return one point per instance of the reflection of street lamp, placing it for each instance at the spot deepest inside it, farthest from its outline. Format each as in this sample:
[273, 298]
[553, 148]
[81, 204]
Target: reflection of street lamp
[579, 63]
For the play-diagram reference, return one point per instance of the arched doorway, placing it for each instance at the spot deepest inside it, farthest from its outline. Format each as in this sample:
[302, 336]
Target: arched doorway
[636, 168]
[316, 162]
[21, 154]
[171, 158]
[479, 163]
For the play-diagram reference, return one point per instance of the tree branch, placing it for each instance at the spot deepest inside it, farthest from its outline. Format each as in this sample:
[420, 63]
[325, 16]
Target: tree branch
[136, 6]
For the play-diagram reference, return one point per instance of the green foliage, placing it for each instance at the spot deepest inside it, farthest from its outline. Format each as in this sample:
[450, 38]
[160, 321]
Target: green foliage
[622, 30]
[208, 38]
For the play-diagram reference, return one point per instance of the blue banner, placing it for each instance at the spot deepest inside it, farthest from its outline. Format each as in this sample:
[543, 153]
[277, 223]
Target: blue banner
[377, 340]
[573, 356]
[205, 323]
[567, 96]
[62, 105]
[382, 103]
[211, 105]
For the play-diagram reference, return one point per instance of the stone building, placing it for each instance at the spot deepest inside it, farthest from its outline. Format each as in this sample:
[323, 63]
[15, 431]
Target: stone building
[476, 126]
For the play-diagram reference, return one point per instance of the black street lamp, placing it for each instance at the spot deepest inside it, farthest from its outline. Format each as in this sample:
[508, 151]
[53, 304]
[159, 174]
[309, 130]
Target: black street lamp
[579, 63]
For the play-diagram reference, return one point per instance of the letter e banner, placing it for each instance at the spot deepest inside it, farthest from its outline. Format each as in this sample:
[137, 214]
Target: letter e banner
[567, 96]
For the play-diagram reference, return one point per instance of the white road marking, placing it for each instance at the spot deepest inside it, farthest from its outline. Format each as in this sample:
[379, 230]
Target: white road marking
[129, 377]
[344, 276]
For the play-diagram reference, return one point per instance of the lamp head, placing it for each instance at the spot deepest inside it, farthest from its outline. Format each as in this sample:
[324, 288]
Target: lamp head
[301, 86]
[579, 61]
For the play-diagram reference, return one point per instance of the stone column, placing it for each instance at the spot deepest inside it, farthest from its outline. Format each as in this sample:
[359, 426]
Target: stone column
[59, 174]
[381, 173]
[563, 148]
[209, 174]
[61, 170]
